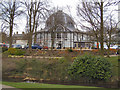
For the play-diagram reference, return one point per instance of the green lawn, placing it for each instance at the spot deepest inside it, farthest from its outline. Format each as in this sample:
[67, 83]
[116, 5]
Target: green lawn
[114, 61]
[41, 85]
[25, 86]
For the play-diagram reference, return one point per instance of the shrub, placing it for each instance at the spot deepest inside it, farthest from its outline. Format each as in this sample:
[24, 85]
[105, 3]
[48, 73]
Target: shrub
[69, 50]
[19, 52]
[90, 67]
[12, 51]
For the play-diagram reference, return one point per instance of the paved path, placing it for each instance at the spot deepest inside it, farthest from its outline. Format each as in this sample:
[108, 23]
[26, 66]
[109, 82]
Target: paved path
[5, 87]
[47, 56]
[32, 57]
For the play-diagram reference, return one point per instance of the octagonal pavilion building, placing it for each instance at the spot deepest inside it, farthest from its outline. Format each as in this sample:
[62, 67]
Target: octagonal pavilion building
[60, 33]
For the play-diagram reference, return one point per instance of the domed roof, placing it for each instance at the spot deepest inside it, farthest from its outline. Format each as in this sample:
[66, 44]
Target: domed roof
[60, 18]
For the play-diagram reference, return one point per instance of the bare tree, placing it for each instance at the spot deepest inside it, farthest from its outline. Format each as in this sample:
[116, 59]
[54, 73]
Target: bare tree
[9, 11]
[40, 19]
[33, 10]
[94, 13]
[110, 33]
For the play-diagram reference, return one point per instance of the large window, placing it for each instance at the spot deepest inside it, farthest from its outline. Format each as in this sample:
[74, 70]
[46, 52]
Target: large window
[58, 35]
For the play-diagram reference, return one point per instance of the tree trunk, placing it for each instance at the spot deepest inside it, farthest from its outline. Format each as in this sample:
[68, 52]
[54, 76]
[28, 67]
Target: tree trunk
[80, 45]
[102, 29]
[36, 26]
[35, 38]
[108, 51]
[10, 37]
[11, 30]
[30, 42]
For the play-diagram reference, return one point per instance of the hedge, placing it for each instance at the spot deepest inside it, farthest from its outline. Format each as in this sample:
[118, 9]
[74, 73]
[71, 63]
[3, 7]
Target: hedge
[90, 67]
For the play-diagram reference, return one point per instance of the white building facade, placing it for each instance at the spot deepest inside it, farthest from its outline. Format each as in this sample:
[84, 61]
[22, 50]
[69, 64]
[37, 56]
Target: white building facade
[60, 32]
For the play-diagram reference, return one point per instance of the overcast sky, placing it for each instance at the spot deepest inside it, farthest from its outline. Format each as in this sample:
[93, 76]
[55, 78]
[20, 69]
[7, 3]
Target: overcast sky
[60, 3]
[65, 3]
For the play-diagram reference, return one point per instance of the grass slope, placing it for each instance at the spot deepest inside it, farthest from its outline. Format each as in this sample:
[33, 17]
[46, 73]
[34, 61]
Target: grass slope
[114, 61]
[41, 85]
[33, 86]
[25, 86]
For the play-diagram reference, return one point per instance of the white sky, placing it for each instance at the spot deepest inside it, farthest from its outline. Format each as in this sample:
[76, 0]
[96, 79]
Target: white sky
[60, 3]
[57, 3]
[65, 3]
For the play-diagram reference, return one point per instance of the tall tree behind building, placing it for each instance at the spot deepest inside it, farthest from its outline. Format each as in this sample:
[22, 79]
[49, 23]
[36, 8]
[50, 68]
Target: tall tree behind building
[95, 14]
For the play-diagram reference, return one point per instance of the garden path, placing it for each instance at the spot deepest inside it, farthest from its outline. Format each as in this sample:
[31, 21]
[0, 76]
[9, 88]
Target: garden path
[5, 87]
